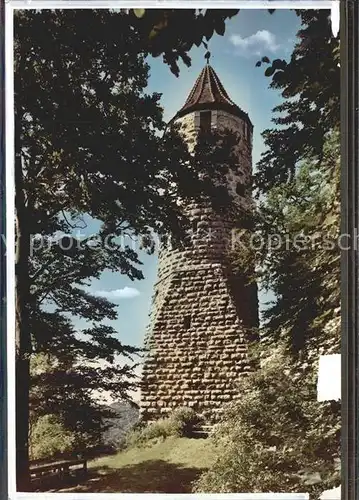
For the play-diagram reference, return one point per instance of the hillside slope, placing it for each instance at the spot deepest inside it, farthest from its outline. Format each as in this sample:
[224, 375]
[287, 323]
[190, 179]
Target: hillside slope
[126, 416]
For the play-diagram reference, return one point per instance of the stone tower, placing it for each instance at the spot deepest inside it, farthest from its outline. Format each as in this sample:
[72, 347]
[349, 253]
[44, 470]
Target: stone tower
[203, 313]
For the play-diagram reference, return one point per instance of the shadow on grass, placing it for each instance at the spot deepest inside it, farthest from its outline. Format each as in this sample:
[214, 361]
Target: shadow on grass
[151, 476]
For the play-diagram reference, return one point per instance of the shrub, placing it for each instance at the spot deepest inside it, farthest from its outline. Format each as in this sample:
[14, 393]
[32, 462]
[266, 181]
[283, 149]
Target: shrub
[277, 437]
[49, 438]
[180, 423]
[159, 430]
[186, 419]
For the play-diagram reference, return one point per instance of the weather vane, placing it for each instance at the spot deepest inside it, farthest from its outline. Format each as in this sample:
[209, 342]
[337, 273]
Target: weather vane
[207, 56]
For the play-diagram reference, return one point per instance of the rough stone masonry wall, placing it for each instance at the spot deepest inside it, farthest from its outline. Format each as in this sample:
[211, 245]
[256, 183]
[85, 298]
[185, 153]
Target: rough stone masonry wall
[201, 313]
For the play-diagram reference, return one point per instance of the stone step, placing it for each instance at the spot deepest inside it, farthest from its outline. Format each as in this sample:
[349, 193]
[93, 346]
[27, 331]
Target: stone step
[202, 431]
[200, 434]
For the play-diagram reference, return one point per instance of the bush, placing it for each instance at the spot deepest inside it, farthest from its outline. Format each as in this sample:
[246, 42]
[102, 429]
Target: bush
[186, 419]
[155, 431]
[180, 423]
[49, 439]
[277, 437]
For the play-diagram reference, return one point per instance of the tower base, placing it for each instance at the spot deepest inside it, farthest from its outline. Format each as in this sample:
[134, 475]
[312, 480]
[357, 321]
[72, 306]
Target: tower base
[198, 348]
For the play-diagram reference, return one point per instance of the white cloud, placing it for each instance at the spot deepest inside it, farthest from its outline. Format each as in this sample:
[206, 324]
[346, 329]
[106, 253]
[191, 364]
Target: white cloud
[255, 44]
[121, 293]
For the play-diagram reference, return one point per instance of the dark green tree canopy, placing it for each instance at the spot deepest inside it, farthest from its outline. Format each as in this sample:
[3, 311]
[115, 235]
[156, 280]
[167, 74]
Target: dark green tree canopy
[173, 32]
[310, 86]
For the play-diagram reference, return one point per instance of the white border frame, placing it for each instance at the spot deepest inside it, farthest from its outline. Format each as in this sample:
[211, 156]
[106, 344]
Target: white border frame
[10, 6]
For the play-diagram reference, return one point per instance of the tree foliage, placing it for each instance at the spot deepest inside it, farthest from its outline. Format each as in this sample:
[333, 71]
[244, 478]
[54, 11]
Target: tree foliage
[298, 180]
[83, 112]
[277, 438]
[310, 86]
[299, 223]
[49, 438]
[172, 33]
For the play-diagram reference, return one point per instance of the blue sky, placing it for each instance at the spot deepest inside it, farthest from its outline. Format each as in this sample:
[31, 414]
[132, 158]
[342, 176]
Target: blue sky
[249, 35]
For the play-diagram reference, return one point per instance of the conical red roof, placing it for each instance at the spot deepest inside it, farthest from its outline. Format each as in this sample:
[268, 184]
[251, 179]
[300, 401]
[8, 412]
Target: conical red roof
[209, 93]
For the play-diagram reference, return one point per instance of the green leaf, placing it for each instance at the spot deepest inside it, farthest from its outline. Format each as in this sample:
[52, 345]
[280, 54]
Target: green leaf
[139, 12]
[153, 34]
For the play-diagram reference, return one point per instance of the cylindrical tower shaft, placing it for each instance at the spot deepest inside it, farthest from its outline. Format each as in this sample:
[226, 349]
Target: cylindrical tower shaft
[202, 311]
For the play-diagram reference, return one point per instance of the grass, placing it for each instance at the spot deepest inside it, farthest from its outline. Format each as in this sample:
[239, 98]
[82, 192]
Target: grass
[169, 466]
[186, 451]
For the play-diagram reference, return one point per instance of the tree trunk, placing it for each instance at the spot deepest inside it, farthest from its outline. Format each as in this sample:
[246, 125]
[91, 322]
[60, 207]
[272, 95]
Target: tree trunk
[22, 325]
[22, 415]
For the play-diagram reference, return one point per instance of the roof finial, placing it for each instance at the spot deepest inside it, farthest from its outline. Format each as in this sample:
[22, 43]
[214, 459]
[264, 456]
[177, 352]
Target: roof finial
[207, 56]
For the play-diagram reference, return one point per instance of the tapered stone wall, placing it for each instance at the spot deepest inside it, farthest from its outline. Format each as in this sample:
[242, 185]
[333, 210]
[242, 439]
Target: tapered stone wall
[203, 314]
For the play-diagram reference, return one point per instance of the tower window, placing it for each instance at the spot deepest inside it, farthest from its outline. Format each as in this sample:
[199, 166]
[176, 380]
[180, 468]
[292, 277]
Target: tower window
[187, 322]
[205, 119]
[240, 189]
